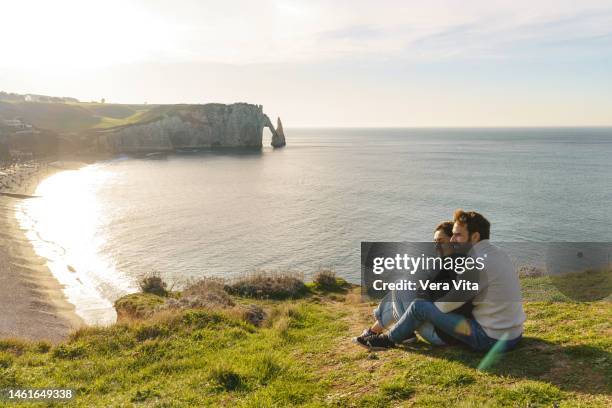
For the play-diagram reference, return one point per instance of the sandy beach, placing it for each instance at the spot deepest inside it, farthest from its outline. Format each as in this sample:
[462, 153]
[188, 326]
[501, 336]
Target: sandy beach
[32, 305]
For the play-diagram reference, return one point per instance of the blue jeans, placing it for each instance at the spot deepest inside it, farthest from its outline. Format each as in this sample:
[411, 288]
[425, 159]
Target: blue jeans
[466, 330]
[394, 305]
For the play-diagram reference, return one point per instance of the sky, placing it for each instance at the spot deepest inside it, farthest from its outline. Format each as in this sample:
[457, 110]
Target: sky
[324, 63]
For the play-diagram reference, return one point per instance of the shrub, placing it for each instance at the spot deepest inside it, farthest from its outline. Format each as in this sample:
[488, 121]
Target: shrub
[265, 285]
[327, 280]
[154, 284]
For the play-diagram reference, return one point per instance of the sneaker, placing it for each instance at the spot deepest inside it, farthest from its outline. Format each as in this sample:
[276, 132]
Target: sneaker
[366, 332]
[375, 342]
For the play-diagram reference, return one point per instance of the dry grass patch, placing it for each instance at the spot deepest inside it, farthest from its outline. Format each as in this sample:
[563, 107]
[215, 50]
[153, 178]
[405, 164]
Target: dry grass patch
[269, 285]
[206, 293]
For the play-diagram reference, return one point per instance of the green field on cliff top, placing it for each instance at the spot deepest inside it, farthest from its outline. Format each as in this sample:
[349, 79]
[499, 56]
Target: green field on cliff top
[301, 354]
[83, 117]
[73, 116]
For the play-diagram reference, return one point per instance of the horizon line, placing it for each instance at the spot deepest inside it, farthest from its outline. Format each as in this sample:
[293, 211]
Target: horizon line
[453, 127]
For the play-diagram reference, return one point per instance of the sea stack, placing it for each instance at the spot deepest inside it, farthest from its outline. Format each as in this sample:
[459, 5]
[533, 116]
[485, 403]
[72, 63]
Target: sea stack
[278, 139]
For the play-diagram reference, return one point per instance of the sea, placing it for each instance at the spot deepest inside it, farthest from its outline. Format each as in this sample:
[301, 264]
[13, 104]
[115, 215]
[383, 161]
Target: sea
[309, 205]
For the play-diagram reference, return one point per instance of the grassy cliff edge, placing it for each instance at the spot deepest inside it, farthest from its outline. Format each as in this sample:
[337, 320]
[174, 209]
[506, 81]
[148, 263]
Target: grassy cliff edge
[204, 347]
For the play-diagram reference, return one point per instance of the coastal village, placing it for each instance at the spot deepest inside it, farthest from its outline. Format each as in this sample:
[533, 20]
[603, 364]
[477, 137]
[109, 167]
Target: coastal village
[18, 136]
[21, 157]
[16, 165]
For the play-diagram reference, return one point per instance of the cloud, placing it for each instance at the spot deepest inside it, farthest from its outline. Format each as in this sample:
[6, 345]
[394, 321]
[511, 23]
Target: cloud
[304, 32]
[434, 62]
[356, 33]
[74, 34]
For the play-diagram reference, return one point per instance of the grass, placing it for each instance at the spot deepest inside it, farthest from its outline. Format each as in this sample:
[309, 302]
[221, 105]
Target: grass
[106, 122]
[66, 118]
[302, 356]
[589, 285]
[586, 285]
[137, 305]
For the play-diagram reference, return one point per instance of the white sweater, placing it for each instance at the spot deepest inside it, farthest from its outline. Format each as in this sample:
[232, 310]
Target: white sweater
[497, 305]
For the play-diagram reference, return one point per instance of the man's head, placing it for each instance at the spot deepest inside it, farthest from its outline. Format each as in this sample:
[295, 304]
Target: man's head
[470, 227]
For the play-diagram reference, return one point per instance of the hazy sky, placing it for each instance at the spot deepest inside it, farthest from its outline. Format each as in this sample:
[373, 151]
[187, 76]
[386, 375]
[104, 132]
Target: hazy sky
[324, 63]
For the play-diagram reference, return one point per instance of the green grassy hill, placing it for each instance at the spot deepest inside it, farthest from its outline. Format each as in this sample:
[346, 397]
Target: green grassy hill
[82, 117]
[301, 354]
[71, 117]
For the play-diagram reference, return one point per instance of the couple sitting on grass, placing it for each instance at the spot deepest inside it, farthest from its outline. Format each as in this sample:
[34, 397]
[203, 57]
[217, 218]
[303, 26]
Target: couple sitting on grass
[491, 316]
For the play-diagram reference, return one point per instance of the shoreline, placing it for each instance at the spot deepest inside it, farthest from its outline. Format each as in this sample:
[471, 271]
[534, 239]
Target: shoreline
[32, 303]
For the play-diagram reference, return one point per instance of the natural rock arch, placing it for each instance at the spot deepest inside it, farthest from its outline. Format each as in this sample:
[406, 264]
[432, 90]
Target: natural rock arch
[171, 127]
[278, 134]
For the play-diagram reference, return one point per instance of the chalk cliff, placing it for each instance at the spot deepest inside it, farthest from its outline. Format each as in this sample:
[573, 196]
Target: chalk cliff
[170, 127]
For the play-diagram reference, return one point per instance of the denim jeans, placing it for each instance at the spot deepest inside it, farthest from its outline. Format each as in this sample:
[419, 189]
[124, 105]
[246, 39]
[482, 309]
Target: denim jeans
[466, 330]
[394, 306]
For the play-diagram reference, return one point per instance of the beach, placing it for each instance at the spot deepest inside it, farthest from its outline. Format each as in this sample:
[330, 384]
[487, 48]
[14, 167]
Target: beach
[32, 304]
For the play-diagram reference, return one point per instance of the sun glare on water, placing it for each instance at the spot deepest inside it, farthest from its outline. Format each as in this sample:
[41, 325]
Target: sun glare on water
[65, 227]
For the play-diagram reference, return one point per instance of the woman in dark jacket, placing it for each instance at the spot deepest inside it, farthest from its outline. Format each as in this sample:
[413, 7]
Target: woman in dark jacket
[395, 303]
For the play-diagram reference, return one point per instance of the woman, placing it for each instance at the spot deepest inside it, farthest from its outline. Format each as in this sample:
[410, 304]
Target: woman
[395, 303]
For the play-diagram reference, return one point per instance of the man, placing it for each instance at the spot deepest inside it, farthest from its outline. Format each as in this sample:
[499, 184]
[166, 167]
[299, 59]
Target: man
[498, 312]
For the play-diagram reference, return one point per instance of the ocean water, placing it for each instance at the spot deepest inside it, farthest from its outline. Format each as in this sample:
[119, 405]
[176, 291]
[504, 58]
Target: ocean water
[309, 205]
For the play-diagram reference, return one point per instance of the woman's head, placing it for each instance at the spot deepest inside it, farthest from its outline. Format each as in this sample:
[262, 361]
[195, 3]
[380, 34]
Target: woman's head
[442, 237]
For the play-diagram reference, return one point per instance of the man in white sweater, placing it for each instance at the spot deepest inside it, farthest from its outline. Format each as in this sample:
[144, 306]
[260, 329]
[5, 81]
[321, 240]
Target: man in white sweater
[498, 311]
